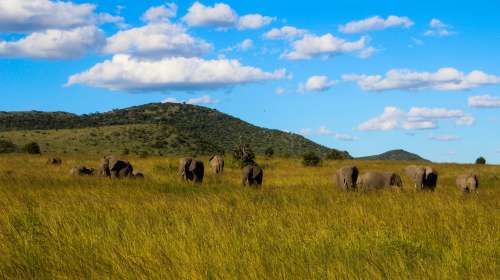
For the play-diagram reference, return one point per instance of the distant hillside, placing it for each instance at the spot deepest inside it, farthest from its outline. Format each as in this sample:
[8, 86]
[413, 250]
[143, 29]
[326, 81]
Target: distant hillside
[152, 128]
[395, 155]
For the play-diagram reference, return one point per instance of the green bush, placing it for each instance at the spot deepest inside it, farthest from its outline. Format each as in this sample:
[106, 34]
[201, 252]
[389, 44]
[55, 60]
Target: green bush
[337, 155]
[311, 159]
[480, 160]
[32, 148]
[269, 152]
[7, 147]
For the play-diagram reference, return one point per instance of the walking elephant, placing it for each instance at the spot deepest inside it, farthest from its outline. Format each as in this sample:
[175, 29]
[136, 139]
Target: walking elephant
[115, 168]
[252, 175]
[377, 180]
[217, 164]
[467, 182]
[347, 177]
[424, 177]
[191, 170]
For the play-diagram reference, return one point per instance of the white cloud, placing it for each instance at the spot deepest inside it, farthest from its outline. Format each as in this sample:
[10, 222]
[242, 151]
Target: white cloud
[155, 40]
[284, 33]
[345, 137]
[170, 100]
[201, 100]
[26, 16]
[280, 90]
[317, 83]
[222, 16]
[366, 53]
[254, 21]
[55, 44]
[376, 23]
[444, 138]
[243, 46]
[416, 118]
[127, 73]
[305, 131]
[444, 79]
[484, 101]
[160, 13]
[327, 45]
[439, 29]
[324, 131]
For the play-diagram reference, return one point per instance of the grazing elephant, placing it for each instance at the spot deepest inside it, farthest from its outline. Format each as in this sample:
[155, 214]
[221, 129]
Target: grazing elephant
[217, 164]
[54, 161]
[424, 177]
[191, 170]
[115, 168]
[377, 180]
[252, 175]
[468, 182]
[347, 177]
[81, 171]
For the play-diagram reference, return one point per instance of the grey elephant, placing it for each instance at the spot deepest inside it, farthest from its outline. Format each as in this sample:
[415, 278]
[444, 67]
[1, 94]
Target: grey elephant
[468, 182]
[347, 177]
[217, 164]
[424, 177]
[191, 169]
[377, 180]
[115, 168]
[252, 175]
[54, 161]
[81, 171]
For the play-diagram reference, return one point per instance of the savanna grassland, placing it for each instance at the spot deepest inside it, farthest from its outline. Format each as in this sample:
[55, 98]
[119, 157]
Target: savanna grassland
[297, 225]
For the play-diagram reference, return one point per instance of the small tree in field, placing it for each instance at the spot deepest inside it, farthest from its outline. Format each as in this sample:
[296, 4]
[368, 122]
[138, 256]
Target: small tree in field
[269, 152]
[32, 148]
[311, 159]
[480, 160]
[244, 155]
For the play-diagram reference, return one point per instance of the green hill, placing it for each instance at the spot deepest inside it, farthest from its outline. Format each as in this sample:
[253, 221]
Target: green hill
[395, 155]
[152, 128]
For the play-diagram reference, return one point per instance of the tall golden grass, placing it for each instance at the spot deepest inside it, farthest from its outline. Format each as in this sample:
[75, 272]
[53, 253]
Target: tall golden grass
[297, 226]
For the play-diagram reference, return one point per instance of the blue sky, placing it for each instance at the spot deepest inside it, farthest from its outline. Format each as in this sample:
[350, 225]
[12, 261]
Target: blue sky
[362, 76]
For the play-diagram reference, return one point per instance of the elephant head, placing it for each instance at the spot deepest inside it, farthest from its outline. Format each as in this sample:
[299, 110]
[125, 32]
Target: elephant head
[347, 177]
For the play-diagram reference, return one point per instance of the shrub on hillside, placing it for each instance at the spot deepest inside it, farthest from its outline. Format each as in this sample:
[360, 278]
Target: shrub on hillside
[480, 160]
[32, 148]
[7, 147]
[311, 159]
[337, 155]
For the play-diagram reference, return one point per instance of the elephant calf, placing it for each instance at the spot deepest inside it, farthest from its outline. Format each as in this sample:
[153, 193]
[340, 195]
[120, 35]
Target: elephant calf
[252, 175]
[115, 168]
[191, 170]
[377, 180]
[217, 164]
[424, 177]
[467, 182]
[347, 177]
[81, 171]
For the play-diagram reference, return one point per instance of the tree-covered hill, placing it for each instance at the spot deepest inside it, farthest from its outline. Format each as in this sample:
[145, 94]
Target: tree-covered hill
[395, 155]
[157, 128]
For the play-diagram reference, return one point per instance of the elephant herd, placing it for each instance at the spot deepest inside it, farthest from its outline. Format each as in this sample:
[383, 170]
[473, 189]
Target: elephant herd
[190, 169]
[423, 177]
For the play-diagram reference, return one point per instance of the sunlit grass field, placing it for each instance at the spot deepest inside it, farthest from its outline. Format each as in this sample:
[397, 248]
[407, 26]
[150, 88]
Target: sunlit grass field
[297, 226]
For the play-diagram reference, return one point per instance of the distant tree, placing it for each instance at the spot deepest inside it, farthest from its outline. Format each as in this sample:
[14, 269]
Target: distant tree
[32, 148]
[269, 152]
[311, 159]
[244, 155]
[7, 147]
[125, 152]
[480, 160]
[336, 155]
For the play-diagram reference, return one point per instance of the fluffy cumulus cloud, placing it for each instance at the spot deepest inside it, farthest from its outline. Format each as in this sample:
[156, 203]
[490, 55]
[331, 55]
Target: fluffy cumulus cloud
[55, 44]
[127, 73]
[222, 16]
[416, 118]
[160, 13]
[23, 16]
[484, 101]
[376, 23]
[317, 83]
[242, 46]
[311, 46]
[158, 39]
[444, 79]
[284, 33]
[439, 28]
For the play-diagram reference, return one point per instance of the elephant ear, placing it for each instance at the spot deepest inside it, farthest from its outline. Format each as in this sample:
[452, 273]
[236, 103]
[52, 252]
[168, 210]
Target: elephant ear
[256, 171]
[211, 158]
[192, 165]
[112, 161]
